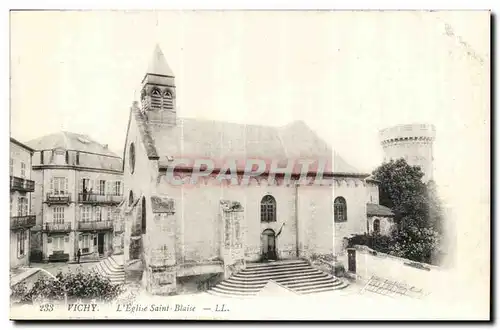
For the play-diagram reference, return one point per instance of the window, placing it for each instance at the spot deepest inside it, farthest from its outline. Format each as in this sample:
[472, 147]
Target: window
[130, 198]
[85, 243]
[131, 157]
[376, 226]
[57, 243]
[11, 166]
[59, 185]
[268, 209]
[98, 213]
[340, 209]
[77, 158]
[11, 200]
[21, 243]
[60, 156]
[41, 157]
[118, 188]
[167, 102]
[67, 157]
[143, 215]
[85, 214]
[22, 206]
[156, 98]
[102, 187]
[23, 170]
[58, 214]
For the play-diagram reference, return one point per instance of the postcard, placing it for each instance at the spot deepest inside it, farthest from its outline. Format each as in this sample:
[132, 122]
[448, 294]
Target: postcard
[250, 165]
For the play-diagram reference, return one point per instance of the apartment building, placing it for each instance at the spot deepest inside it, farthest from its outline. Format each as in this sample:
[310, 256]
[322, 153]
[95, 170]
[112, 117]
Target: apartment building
[78, 186]
[21, 217]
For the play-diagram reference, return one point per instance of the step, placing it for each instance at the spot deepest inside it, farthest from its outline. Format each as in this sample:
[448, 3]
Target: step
[237, 288]
[112, 264]
[104, 272]
[115, 263]
[324, 289]
[226, 295]
[275, 264]
[219, 290]
[244, 285]
[110, 269]
[318, 286]
[274, 273]
[277, 267]
[311, 279]
[314, 284]
[279, 279]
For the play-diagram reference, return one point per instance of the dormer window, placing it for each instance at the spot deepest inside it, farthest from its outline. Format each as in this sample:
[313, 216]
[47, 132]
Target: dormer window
[59, 156]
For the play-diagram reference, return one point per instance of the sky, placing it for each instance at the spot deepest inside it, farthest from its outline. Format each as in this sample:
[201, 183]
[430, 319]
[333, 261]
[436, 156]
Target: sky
[346, 74]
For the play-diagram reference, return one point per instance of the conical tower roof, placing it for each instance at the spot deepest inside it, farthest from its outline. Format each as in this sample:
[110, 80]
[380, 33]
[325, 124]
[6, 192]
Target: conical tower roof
[158, 64]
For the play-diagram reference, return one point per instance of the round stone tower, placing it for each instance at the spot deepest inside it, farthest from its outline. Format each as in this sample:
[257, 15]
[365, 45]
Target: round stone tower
[412, 142]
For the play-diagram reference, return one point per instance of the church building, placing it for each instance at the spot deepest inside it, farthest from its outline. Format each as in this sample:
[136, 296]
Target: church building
[188, 231]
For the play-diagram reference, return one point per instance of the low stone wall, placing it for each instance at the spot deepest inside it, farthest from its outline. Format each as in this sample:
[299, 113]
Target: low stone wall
[372, 263]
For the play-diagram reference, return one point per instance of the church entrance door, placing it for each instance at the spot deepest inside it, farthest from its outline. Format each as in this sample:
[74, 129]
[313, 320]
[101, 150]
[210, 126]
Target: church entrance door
[269, 245]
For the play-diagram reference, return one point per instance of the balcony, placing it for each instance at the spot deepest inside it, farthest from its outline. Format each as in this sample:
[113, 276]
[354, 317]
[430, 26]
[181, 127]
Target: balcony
[22, 221]
[87, 198]
[60, 198]
[20, 184]
[95, 225]
[56, 227]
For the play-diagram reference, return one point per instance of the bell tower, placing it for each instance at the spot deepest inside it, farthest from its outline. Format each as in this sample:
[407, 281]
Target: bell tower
[158, 91]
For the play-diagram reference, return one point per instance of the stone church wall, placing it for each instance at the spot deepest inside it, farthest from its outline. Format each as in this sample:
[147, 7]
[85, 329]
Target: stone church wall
[355, 194]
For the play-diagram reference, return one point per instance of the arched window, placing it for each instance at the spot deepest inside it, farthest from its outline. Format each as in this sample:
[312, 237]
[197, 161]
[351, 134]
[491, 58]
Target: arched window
[376, 226]
[268, 209]
[340, 209]
[130, 198]
[167, 100]
[143, 215]
[131, 157]
[156, 98]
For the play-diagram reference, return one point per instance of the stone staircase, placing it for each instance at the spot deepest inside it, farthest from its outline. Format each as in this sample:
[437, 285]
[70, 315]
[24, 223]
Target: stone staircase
[296, 275]
[112, 268]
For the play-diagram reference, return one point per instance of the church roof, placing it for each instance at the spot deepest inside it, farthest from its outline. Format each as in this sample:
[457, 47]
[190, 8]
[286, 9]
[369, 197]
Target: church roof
[378, 210]
[195, 138]
[158, 64]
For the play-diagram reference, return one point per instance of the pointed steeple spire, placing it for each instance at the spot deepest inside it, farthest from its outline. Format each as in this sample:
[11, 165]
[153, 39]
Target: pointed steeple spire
[158, 64]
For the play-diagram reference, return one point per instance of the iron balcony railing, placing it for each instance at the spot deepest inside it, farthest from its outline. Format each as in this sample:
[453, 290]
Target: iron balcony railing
[21, 184]
[99, 198]
[58, 198]
[57, 227]
[95, 225]
[22, 221]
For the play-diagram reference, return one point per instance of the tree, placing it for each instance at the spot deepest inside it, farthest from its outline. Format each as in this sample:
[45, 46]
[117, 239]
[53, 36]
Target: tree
[416, 207]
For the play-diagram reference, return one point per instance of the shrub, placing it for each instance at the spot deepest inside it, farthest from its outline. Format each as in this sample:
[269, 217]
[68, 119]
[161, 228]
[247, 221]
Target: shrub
[376, 242]
[79, 285]
[338, 269]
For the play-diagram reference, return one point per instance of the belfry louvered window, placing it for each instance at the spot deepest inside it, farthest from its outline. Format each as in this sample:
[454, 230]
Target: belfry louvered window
[156, 99]
[168, 100]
